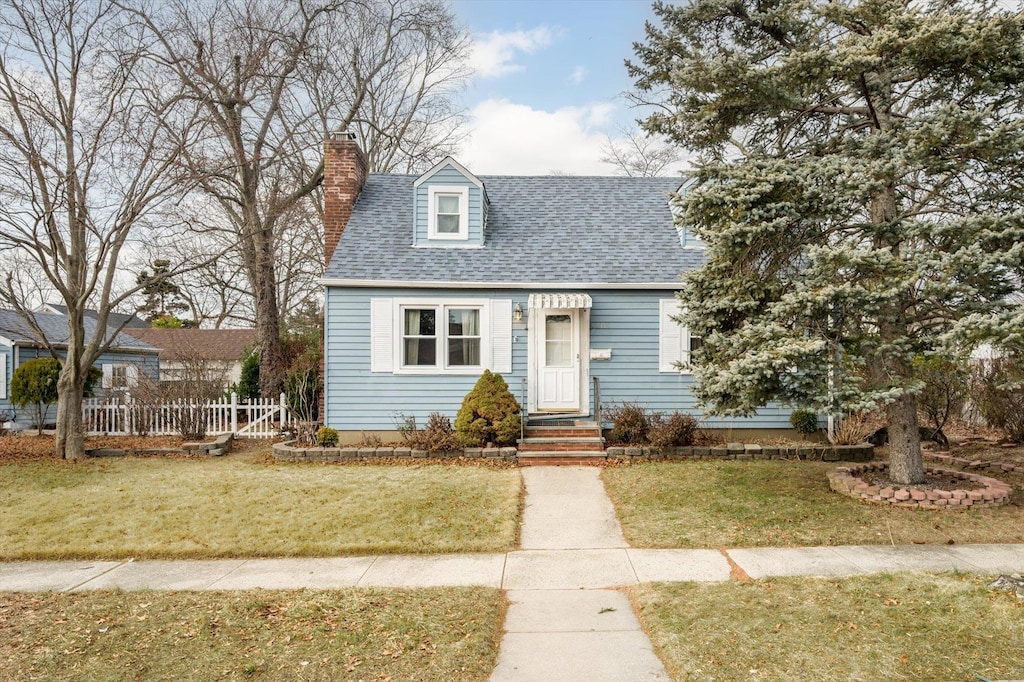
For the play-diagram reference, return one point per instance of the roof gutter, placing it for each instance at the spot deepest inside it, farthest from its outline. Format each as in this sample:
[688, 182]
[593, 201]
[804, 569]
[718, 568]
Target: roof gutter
[417, 284]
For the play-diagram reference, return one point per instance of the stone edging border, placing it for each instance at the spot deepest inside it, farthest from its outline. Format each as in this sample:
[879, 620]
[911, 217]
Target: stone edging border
[289, 452]
[845, 480]
[864, 452]
[979, 464]
[217, 448]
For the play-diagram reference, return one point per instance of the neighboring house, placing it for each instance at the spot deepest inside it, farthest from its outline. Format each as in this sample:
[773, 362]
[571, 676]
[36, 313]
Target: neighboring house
[221, 350]
[114, 320]
[549, 281]
[122, 365]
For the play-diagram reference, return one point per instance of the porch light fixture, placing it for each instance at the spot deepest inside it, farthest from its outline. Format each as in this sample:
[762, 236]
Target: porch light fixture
[517, 312]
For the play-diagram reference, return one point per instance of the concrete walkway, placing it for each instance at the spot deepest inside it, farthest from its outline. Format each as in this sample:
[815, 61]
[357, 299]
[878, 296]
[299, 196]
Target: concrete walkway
[566, 620]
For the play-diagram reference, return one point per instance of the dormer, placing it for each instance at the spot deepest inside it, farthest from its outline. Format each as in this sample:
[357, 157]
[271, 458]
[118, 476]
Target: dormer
[687, 239]
[450, 207]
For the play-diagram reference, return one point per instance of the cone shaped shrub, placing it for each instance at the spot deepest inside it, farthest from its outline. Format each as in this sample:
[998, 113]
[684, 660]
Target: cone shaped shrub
[489, 413]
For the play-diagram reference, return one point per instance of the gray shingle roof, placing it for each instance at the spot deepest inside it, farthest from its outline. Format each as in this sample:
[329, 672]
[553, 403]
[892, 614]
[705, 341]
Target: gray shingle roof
[55, 328]
[611, 230]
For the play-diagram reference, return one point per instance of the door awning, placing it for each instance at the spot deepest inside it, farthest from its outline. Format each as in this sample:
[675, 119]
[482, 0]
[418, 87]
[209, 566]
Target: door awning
[560, 301]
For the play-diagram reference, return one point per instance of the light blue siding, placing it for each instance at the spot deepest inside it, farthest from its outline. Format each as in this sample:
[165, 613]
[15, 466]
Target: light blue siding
[449, 176]
[624, 321]
[7, 357]
[627, 323]
[148, 363]
[357, 399]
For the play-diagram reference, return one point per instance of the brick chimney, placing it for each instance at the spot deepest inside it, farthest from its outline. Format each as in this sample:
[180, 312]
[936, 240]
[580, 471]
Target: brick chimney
[345, 168]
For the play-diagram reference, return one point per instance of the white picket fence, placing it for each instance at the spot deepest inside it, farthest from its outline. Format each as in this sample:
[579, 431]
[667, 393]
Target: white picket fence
[248, 419]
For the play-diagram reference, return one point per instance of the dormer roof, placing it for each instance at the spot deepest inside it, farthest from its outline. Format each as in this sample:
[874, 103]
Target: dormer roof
[448, 161]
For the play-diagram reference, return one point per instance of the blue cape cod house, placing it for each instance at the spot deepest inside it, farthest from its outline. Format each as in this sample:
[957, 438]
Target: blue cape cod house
[122, 364]
[549, 281]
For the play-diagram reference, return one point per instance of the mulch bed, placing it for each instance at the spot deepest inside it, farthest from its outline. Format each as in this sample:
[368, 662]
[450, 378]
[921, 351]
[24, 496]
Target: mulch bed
[944, 481]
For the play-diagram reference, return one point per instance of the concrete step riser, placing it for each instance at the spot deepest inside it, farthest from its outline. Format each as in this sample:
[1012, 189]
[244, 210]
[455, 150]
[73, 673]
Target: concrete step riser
[560, 447]
[563, 433]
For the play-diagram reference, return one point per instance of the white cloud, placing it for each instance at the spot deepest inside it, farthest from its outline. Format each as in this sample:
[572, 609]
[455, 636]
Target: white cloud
[516, 139]
[578, 74]
[492, 54]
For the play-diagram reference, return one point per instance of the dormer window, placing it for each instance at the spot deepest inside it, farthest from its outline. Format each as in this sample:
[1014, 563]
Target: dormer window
[449, 212]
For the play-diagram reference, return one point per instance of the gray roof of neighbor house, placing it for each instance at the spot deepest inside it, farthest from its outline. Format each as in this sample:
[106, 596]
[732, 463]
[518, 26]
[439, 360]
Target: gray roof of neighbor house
[559, 229]
[114, 320]
[55, 329]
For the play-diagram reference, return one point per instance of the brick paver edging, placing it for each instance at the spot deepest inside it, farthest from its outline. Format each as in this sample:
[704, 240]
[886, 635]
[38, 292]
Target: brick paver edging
[846, 480]
[979, 464]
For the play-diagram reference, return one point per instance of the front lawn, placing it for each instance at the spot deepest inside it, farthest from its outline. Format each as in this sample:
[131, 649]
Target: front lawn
[430, 634]
[237, 507]
[866, 628]
[781, 503]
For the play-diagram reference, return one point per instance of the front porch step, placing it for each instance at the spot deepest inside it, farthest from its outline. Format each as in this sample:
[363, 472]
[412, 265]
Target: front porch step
[555, 458]
[561, 444]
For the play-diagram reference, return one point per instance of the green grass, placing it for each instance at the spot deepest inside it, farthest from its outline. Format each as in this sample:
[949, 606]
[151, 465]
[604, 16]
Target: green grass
[883, 627]
[779, 503]
[430, 634]
[232, 507]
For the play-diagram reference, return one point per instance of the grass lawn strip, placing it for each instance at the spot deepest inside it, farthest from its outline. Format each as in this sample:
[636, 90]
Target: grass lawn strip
[881, 627]
[231, 507]
[429, 634]
[782, 503]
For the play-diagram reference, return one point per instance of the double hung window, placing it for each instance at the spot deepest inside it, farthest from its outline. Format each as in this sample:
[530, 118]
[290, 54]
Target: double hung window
[454, 343]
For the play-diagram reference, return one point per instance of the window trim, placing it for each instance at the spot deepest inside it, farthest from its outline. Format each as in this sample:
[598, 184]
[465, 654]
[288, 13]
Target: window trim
[441, 306]
[463, 193]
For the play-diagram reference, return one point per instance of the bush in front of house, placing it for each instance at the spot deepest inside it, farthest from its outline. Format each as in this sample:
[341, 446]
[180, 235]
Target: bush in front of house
[437, 436]
[630, 424]
[804, 421]
[327, 437]
[675, 430]
[34, 383]
[489, 413]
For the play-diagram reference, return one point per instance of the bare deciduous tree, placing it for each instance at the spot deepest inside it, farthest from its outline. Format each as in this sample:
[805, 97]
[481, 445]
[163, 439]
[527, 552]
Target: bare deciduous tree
[639, 155]
[88, 148]
[273, 79]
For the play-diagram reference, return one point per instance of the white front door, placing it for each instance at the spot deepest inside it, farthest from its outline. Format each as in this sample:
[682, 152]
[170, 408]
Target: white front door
[558, 366]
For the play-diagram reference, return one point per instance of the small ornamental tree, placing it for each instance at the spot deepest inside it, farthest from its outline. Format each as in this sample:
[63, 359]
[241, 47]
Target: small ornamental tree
[34, 384]
[489, 413]
[249, 380]
[858, 191]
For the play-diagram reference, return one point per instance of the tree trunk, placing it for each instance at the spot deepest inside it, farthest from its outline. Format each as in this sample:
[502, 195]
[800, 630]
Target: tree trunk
[905, 465]
[70, 441]
[268, 327]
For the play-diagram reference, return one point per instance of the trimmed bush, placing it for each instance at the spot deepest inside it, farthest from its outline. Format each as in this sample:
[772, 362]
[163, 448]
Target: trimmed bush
[630, 424]
[327, 437]
[804, 421]
[35, 383]
[676, 430]
[489, 413]
[437, 436]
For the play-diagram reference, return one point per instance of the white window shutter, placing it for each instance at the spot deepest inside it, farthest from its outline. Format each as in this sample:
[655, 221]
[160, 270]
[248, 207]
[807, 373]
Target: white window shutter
[3, 376]
[108, 375]
[382, 336]
[501, 335]
[670, 336]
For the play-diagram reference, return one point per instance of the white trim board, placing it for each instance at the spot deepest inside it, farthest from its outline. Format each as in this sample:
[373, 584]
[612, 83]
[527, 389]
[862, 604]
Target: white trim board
[417, 284]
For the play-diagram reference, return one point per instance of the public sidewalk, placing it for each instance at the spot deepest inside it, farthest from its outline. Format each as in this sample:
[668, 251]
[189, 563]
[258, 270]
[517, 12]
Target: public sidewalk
[566, 619]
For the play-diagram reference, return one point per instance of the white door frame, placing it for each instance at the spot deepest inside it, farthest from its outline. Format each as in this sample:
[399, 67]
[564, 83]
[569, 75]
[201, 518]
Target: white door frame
[535, 352]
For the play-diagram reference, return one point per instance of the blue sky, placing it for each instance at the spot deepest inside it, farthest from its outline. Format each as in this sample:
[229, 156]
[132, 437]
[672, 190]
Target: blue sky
[548, 83]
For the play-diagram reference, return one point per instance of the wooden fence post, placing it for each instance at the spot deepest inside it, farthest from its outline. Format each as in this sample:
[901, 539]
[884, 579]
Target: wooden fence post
[284, 407]
[234, 412]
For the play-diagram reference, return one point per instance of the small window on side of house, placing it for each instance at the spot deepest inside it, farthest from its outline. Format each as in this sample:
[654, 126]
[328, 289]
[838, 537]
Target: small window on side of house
[449, 212]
